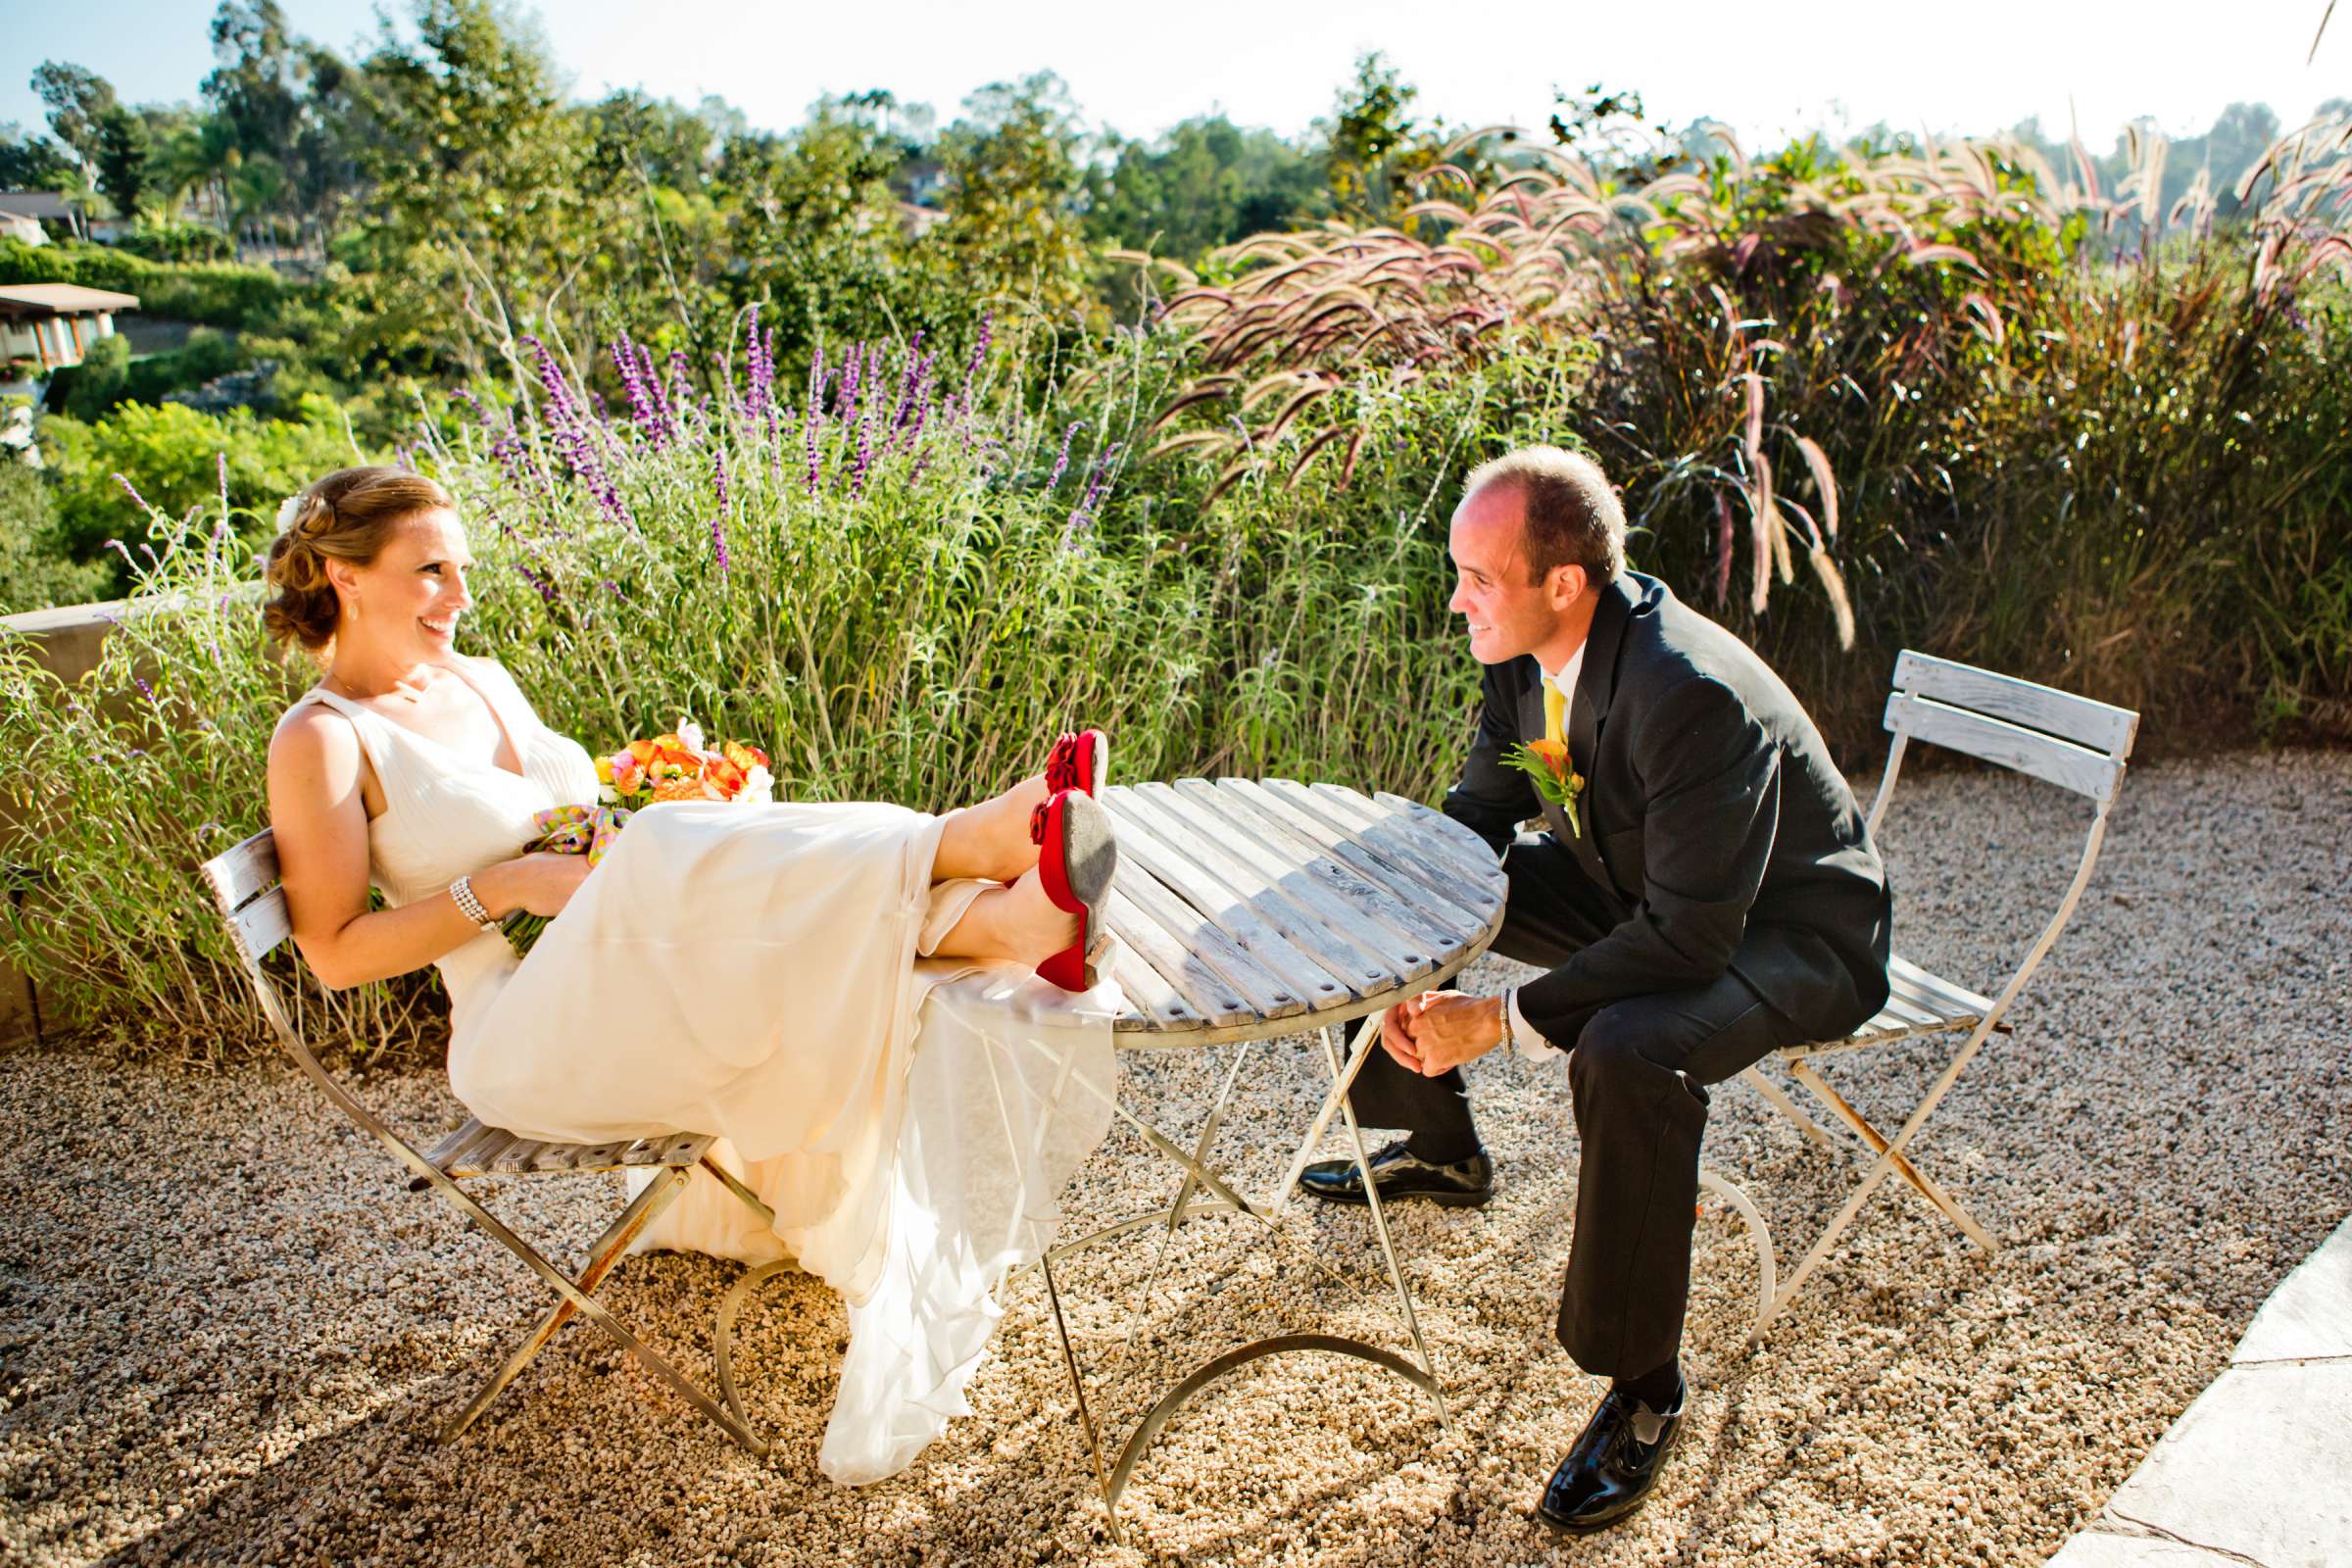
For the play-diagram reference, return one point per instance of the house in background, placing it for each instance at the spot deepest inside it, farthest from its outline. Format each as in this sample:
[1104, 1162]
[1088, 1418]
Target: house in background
[34, 216]
[56, 322]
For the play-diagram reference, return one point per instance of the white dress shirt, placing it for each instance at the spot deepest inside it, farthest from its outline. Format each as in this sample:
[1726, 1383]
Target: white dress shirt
[1523, 1038]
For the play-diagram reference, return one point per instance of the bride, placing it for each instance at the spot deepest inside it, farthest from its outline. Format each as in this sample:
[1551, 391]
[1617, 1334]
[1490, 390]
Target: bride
[842, 991]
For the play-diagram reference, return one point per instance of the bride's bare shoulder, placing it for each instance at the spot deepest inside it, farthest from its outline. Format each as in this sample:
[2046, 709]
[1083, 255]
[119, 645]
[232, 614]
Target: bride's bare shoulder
[310, 734]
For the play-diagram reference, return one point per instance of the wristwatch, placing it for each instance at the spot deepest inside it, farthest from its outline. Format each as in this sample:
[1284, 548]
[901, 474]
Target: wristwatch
[462, 889]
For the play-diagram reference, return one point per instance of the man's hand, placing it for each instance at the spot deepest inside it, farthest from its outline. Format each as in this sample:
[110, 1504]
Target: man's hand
[1450, 1028]
[1396, 1033]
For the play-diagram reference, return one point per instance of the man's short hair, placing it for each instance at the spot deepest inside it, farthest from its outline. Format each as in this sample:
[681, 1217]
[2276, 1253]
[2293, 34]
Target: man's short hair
[1573, 516]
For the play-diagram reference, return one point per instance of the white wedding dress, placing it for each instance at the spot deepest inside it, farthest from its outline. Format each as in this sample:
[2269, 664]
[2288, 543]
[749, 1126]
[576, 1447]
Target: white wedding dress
[755, 972]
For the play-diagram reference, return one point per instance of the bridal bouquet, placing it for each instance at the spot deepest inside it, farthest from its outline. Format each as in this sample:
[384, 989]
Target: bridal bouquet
[677, 767]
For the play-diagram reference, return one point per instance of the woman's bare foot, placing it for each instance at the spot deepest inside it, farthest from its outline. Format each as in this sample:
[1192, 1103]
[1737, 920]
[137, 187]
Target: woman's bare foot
[1017, 923]
[991, 839]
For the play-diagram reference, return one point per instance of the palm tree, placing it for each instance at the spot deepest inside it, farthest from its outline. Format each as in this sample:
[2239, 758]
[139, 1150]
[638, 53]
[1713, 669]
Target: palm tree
[197, 161]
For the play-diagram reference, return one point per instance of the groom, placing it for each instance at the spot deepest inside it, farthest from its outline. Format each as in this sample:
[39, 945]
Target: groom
[1710, 894]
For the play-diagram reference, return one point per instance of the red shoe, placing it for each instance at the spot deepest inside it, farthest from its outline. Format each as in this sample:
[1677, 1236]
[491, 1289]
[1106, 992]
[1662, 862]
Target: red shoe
[1077, 857]
[1079, 760]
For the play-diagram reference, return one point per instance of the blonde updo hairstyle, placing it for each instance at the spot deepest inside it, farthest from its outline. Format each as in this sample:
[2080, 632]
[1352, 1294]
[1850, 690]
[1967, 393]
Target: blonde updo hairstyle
[348, 516]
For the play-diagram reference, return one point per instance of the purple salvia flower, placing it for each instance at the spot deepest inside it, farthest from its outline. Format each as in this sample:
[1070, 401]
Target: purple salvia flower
[865, 453]
[816, 385]
[815, 476]
[1083, 515]
[850, 374]
[719, 541]
[547, 589]
[131, 491]
[145, 690]
[762, 370]
[644, 392]
[980, 344]
[1061, 462]
[719, 478]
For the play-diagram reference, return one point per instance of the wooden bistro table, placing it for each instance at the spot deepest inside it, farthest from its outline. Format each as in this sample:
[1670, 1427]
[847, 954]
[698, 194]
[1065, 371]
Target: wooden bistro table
[1247, 908]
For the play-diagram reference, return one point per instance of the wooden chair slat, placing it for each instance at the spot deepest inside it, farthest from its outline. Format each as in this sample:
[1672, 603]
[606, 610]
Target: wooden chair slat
[239, 872]
[1298, 906]
[685, 1149]
[644, 1152]
[517, 1154]
[558, 1157]
[262, 924]
[2080, 719]
[601, 1157]
[1450, 926]
[443, 1152]
[1285, 946]
[1905, 972]
[2045, 756]
[1409, 867]
[481, 1154]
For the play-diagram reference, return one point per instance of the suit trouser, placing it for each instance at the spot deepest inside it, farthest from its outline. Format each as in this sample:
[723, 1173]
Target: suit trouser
[1638, 1071]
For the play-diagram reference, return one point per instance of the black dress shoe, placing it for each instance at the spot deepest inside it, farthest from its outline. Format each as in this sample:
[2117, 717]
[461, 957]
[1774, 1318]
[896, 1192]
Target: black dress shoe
[1612, 1466]
[1464, 1184]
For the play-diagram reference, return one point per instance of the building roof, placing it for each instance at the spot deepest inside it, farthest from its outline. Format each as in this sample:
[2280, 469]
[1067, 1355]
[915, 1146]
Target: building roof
[36, 204]
[63, 299]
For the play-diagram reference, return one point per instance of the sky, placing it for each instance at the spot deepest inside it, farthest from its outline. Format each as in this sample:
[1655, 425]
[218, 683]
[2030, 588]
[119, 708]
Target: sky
[1767, 70]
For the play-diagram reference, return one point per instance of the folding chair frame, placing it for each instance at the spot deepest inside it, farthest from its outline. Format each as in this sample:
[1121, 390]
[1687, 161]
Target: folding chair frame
[2070, 741]
[245, 884]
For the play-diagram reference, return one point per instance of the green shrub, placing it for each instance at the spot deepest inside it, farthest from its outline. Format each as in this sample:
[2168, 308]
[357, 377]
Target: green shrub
[182, 461]
[158, 239]
[913, 624]
[35, 572]
[212, 294]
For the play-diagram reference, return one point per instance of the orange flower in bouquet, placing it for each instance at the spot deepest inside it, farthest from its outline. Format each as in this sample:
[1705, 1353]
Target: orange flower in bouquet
[680, 767]
[677, 767]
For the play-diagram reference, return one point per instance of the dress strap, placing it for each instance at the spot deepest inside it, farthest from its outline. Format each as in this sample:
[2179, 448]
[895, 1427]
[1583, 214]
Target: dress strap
[372, 750]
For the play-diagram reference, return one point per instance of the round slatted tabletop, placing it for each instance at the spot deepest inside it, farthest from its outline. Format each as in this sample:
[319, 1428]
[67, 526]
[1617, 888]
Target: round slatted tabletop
[1251, 907]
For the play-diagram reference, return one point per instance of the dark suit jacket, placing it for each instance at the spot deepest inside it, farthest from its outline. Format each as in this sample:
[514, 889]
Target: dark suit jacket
[1711, 815]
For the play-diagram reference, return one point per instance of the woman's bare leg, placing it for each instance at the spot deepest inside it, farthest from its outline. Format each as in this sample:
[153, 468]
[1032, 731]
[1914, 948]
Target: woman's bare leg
[1016, 923]
[990, 840]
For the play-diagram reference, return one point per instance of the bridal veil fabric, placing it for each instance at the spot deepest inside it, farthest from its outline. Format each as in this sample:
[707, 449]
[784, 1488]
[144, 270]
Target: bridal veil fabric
[756, 971]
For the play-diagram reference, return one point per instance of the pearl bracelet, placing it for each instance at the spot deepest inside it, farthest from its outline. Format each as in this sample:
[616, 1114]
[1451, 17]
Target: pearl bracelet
[462, 889]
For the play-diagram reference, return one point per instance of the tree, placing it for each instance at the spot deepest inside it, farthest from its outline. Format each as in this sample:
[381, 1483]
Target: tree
[1207, 182]
[1011, 185]
[1373, 146]
[76, 99]
[122, 149]
[31, 163]
[476, 167]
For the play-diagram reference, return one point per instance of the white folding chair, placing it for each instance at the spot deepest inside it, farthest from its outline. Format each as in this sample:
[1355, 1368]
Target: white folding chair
[245, 883]
[2061, 739]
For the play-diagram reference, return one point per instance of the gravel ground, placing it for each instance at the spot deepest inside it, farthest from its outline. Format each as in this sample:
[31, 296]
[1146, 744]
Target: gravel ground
[227, 1332]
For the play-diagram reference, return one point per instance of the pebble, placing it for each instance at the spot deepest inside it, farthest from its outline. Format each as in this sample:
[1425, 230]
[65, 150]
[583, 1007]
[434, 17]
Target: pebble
[228, 1334]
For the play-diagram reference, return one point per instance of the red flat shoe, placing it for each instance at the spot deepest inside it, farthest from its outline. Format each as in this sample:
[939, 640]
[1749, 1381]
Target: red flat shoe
[1079, 760]
[1078, 854]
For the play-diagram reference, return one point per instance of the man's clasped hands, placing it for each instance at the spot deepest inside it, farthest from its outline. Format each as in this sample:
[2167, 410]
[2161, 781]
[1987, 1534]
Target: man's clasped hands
[1437, 1031]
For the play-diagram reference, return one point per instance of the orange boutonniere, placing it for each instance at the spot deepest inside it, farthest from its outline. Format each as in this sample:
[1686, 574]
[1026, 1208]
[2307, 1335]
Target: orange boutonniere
[1558, 782]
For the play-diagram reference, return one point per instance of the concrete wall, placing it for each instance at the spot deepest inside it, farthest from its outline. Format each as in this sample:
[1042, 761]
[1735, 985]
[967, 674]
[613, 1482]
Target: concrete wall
[68, 640]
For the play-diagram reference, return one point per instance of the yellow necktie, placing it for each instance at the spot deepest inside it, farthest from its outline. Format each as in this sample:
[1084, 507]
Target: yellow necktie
[1555, 713]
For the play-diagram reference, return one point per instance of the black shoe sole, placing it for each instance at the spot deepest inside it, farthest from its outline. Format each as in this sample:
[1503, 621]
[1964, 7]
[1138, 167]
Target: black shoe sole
[1597, 1526]
[1442, 1200]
